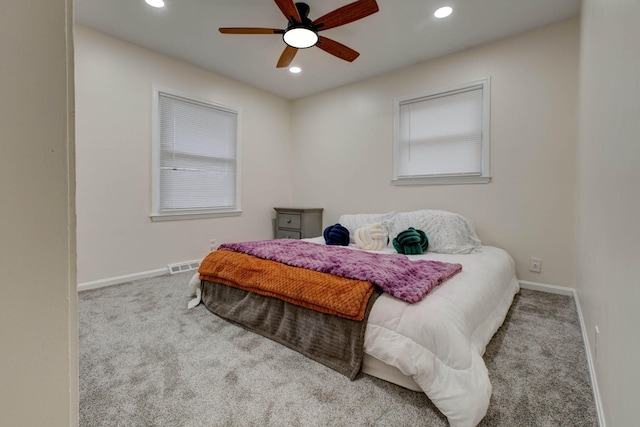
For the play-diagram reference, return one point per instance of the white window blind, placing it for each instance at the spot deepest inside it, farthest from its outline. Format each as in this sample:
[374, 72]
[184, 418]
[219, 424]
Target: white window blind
[198, 157]
[442, 136]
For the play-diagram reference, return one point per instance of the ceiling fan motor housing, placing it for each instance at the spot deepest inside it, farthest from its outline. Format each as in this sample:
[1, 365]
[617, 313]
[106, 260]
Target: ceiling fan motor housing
[303, 11]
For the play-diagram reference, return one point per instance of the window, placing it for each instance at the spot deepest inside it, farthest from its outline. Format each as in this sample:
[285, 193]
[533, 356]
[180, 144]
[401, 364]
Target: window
[196, 158]
[442, 137]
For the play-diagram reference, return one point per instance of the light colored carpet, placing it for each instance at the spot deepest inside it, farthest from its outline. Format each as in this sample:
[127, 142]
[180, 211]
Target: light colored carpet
[145, 360]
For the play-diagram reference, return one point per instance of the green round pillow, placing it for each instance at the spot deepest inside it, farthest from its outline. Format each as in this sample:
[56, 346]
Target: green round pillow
[411, 242]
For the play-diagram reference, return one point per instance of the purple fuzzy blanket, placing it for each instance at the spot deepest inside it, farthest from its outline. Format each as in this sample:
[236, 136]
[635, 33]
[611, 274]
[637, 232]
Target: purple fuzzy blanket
[393, 273]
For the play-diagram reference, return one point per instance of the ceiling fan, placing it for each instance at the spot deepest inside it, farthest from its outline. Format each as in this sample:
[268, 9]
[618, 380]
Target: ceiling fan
[302, 33]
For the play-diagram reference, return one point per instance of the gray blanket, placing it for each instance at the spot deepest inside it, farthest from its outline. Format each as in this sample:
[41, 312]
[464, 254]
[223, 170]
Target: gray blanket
[334, 341]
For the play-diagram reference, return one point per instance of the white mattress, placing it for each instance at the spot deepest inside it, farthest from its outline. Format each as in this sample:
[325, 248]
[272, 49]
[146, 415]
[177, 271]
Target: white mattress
[437, 344]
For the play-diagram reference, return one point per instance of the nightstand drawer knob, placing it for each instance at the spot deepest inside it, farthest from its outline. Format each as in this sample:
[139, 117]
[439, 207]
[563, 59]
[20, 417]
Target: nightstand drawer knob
[289, 221]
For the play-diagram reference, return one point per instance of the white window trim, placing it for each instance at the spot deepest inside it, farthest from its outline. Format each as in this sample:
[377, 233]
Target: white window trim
[484, 177]
[156, 215]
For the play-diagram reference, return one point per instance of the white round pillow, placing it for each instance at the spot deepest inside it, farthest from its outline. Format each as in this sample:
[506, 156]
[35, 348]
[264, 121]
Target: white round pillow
[371, 237]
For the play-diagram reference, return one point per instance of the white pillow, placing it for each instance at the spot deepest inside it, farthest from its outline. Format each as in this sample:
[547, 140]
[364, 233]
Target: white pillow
[354, 221]
[448, 232]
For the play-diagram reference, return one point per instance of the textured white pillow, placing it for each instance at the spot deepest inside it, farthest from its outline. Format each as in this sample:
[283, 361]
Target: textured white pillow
[354, 221]
[448, 232]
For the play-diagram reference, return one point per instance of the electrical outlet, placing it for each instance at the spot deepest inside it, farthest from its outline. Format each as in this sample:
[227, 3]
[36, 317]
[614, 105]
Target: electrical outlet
[212, 244]
[535, 265]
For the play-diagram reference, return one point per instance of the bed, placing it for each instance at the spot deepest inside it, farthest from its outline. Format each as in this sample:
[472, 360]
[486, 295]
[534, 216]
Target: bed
[434, 345]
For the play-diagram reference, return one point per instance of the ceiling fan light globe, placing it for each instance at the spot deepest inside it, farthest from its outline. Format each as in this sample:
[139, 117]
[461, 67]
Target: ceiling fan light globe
[300, 37]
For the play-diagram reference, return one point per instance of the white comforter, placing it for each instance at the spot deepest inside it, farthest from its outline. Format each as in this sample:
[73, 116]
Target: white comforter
[439, 341]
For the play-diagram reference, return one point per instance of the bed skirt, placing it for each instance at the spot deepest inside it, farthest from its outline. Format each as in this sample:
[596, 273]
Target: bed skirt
[334, 341]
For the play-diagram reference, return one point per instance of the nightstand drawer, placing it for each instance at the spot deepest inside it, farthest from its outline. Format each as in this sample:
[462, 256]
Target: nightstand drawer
[285, 234]
[289, 221]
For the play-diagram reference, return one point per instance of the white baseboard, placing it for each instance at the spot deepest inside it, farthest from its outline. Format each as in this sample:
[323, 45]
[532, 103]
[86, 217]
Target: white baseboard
[561, 290]
[543, 287]
[121, 279]
[590, 361]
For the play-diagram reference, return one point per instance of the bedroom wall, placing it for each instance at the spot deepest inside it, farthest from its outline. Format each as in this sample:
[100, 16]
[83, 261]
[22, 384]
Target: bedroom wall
[608, 202]
[343, 145]
[113, 96]
[38, 300]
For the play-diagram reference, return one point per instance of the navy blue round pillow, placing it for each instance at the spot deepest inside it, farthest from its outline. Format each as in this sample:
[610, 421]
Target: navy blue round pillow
[336, 235]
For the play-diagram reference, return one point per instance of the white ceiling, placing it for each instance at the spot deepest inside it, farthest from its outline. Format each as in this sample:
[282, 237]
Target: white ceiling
[402, 33]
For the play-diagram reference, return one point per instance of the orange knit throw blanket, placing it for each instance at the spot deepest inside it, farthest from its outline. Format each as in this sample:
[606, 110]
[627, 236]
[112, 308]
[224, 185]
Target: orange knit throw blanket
[307, 288]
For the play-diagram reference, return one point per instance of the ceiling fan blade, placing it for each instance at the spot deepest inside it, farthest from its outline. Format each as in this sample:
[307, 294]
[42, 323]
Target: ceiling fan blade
[337, 49]
[289, 10]
[287, 56]
[251, 31]
[345, 14]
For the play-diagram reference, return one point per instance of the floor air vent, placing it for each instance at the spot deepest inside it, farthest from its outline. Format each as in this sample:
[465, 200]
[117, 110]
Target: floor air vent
[183, 266]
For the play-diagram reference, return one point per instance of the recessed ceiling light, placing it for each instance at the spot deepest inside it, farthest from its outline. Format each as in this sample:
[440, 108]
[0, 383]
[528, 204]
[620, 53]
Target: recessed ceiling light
[155, 3]
[443, 12]
[295, 70]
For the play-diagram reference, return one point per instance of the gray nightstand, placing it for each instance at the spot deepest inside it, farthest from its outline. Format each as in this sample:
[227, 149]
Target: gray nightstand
[295, 223]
